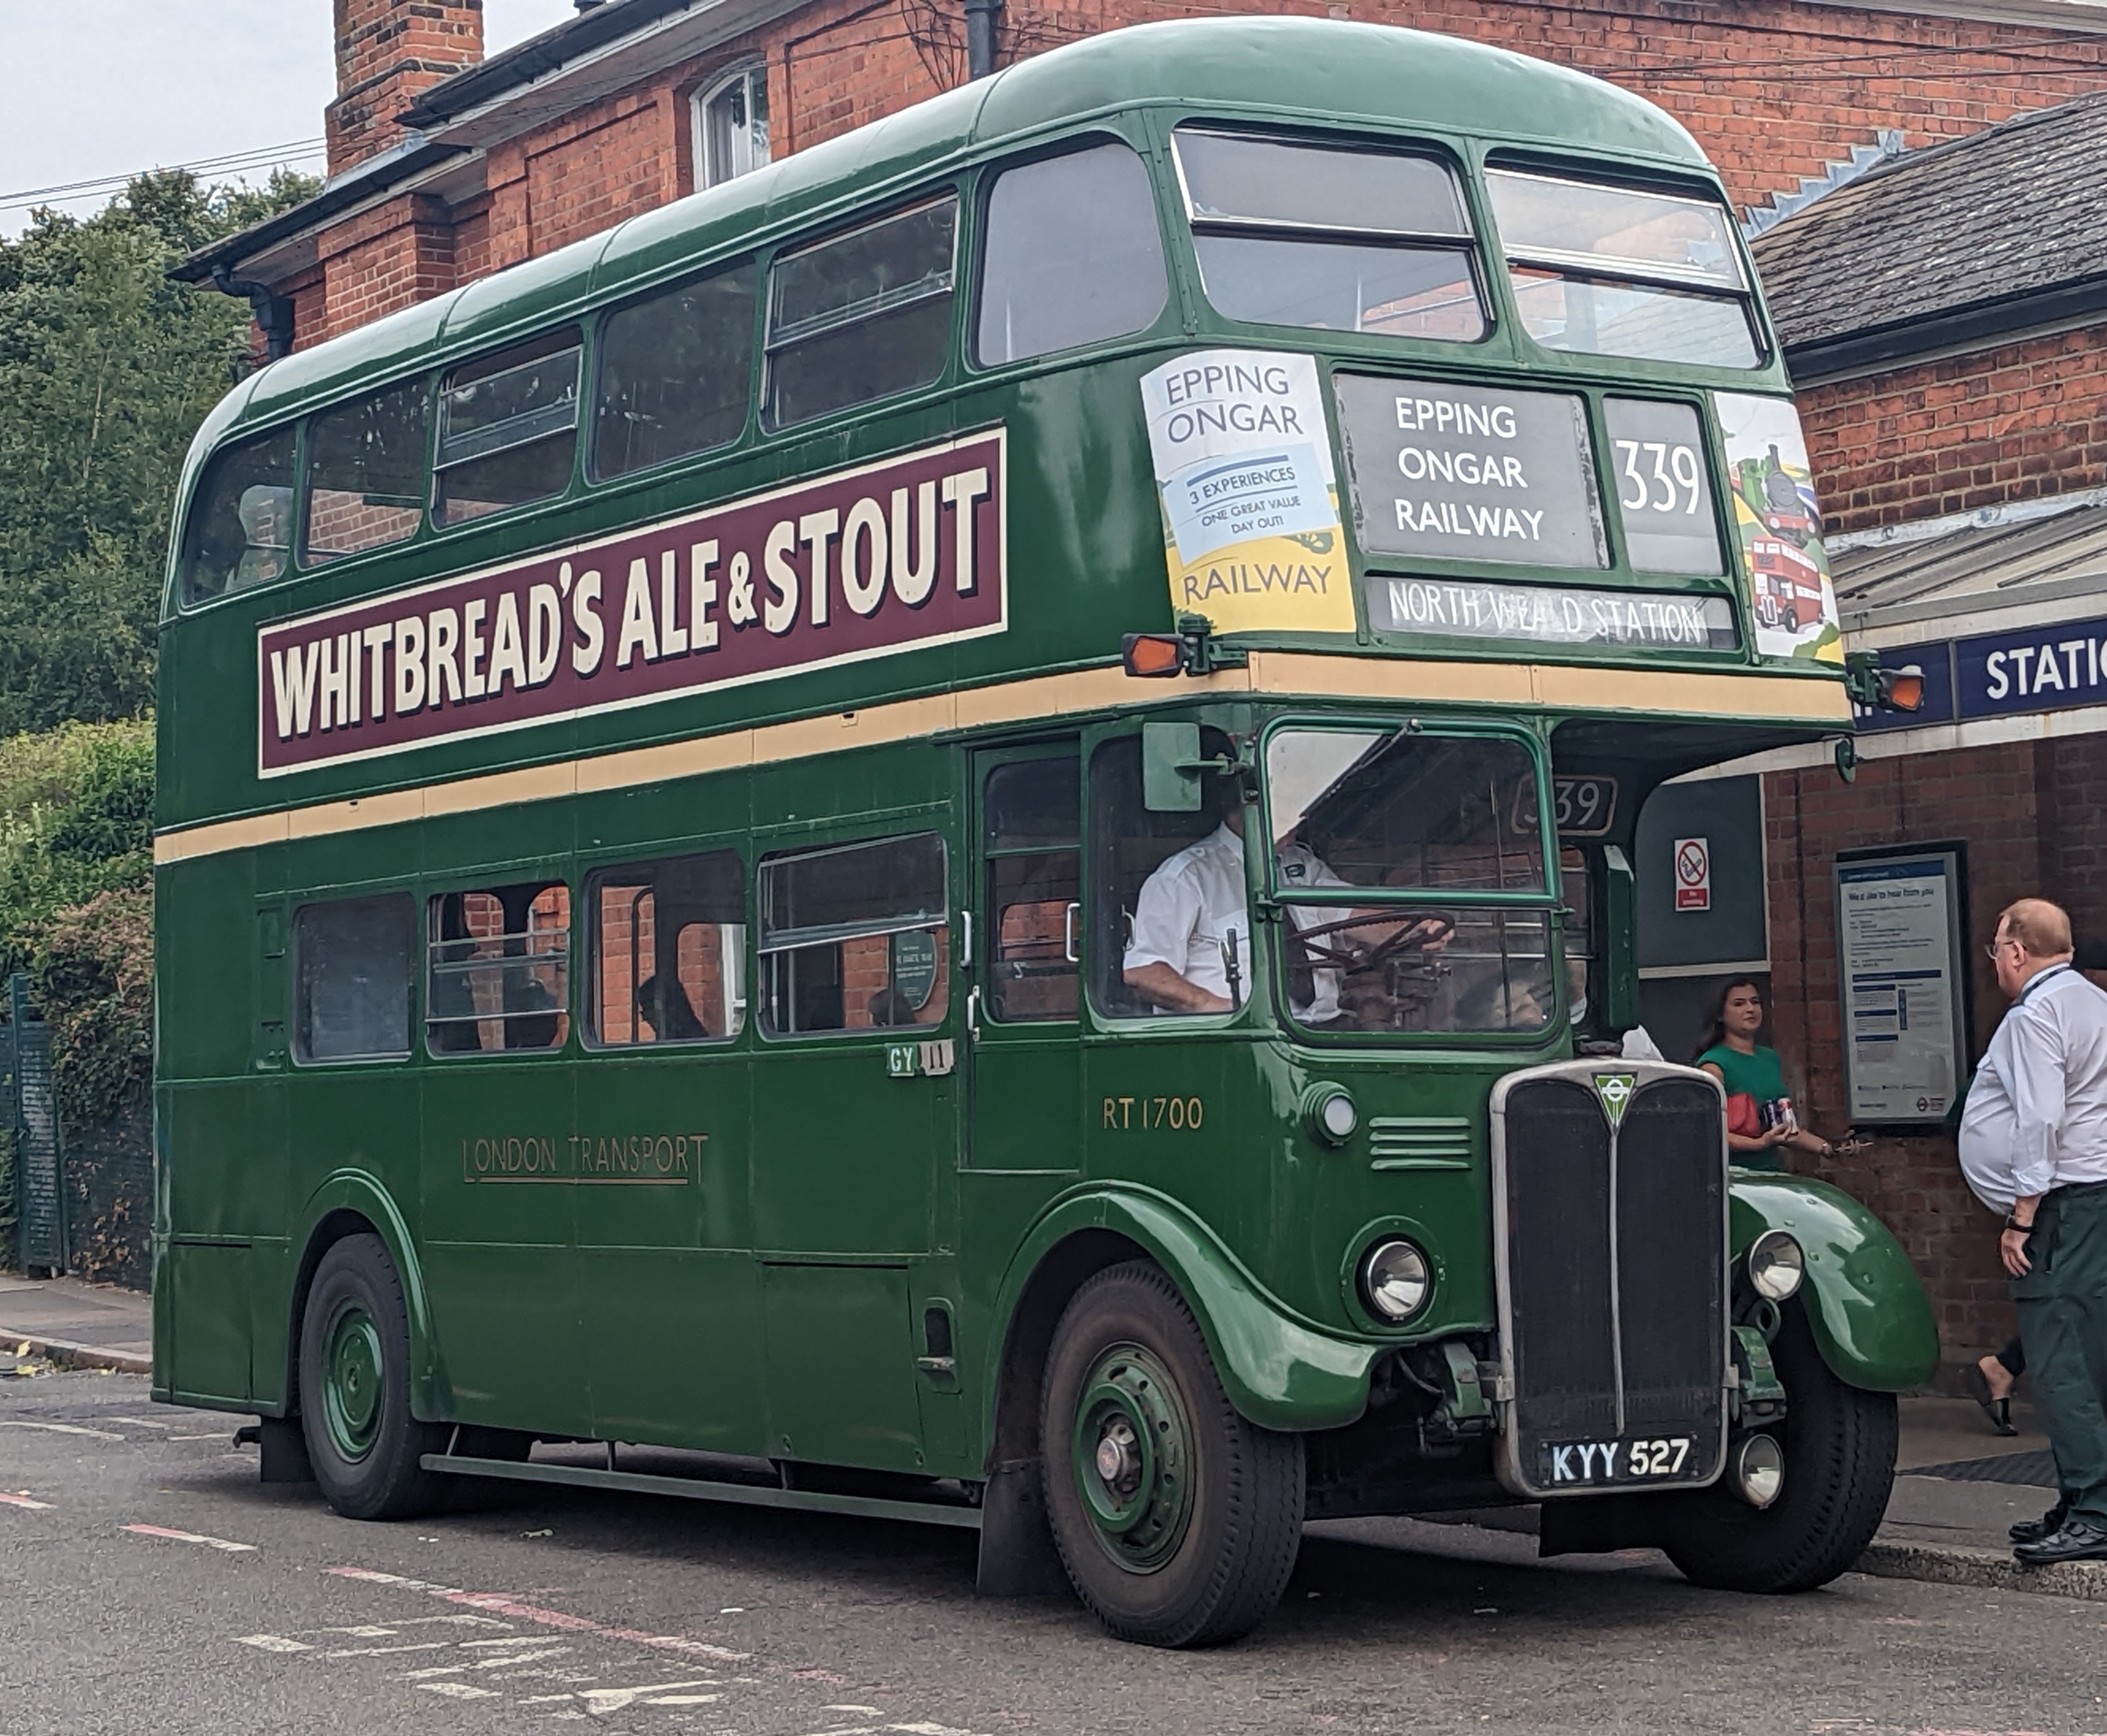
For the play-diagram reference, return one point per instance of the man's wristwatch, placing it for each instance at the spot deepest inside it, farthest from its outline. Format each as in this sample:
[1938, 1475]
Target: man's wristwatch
[2014, 1223]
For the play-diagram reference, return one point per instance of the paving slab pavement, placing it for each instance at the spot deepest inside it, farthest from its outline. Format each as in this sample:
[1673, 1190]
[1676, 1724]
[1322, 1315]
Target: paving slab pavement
[86, 1325]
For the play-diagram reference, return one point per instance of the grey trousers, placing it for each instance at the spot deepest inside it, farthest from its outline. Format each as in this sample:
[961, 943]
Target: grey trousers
[2062, 1323]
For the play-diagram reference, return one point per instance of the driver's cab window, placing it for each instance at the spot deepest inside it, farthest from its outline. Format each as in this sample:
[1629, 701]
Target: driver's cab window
[1576, 880]
[1372, 827]
[1170, 933]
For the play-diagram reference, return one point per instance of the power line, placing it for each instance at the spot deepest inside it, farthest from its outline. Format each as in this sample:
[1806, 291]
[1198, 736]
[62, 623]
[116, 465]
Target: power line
[69, 192]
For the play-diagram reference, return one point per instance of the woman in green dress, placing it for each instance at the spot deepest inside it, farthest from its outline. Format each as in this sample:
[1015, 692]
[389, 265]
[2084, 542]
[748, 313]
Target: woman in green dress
[1759, 1120]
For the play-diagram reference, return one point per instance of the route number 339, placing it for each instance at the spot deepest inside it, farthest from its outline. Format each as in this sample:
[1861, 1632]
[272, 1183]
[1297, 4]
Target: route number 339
[1655, 477]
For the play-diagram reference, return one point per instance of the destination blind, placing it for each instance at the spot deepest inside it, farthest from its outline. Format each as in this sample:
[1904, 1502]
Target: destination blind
[1470, 473]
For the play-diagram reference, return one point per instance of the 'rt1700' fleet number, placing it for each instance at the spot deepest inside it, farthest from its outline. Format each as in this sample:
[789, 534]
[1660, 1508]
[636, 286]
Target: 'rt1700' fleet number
[1617, 1461]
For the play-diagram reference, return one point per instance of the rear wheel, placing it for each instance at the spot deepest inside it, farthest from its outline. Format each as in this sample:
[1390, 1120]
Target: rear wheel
[1179, 1521]
[363, 1443]
[1839, 1467]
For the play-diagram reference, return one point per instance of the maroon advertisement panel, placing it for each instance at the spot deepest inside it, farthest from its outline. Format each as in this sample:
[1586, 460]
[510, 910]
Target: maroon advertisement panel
[861, 563]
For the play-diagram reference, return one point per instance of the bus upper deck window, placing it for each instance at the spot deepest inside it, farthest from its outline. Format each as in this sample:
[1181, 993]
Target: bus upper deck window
[366, 473]
[1609, 270]
[1073, 255]
[239, 530]
[1336, 238]
[507, 428]
[675, 372]
[861, 316]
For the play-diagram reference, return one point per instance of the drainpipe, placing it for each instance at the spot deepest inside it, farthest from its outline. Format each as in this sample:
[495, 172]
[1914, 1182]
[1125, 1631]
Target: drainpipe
[980, 37]
[273, 311]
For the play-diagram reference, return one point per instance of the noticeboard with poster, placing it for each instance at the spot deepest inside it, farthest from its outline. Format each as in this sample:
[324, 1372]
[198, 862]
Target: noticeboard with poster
[1251, 502]
[1899, 966]
[1777, 528]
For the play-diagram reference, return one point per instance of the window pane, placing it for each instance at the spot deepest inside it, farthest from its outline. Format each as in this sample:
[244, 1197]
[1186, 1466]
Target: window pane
[1033, 903]
[508, 425]
[1387, 809]
[872, 982]
[1235, 178]
[1033, 806]
[1074, 255]
[669, 950]
[1350, 970]
[1598, 318]
[353, 962]
[736, 126]
[1663, 486]
[1616, 231]
[862, 317]
[1164, 888]
[675, 373]
[498, 968]
[1399, 292]
[365, 473]
[855, 889]
[239, 531]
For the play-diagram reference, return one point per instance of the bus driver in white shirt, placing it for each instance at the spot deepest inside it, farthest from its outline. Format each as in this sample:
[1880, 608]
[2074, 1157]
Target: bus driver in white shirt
[1191, 920]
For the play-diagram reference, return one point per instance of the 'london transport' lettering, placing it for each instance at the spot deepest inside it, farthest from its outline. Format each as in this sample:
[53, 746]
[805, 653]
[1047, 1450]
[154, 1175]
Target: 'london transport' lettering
[667, 1159]
[865, 562]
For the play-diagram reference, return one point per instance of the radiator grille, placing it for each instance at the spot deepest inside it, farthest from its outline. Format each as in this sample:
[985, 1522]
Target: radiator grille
[1613, 1281]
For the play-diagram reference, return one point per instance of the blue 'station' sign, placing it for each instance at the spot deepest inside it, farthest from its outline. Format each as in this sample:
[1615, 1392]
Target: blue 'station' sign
[2033, 669]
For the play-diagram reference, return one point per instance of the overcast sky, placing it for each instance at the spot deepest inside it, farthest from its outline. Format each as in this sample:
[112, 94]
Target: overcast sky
[94, 89]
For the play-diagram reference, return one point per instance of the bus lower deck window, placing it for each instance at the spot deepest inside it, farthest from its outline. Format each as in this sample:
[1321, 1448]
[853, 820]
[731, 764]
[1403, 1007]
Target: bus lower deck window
[497, 970]
[354, 960]
[855, 937]
[669, 950]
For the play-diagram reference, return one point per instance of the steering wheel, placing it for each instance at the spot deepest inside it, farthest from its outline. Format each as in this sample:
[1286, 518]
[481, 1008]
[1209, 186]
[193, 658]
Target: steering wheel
[1412, 933]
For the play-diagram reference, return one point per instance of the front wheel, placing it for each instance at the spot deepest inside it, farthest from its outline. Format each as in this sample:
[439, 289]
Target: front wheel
[1839, 1468]
[363, 1443]
[1179, 1521]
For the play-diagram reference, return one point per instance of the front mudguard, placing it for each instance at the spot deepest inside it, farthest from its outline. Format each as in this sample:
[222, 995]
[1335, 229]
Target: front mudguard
[1279, 1371]
[1871, 1319]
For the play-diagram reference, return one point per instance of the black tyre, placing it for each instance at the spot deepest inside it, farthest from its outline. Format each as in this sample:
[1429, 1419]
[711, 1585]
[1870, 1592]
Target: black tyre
[1839, 1467]
[1178, 1520]
[363, 1441]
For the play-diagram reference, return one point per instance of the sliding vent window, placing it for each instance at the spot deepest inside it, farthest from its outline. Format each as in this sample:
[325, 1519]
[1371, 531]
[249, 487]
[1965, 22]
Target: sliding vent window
[669, 950]
[508, 429]
[854, 938]
[1616, 271]
[1335, 239]
[863, 315]
[1074, 256]
[498, 969]
[675, 374]
[366, 473]
[239, 530]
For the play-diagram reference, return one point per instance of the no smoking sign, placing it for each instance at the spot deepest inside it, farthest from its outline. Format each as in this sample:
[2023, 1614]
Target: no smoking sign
[1693, 874]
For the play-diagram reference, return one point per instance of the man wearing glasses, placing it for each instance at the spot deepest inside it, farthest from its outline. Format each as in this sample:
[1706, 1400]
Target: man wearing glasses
[2033, 1145]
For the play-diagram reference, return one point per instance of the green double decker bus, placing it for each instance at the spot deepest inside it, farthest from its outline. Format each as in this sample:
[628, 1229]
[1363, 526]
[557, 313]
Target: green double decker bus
[707, 943]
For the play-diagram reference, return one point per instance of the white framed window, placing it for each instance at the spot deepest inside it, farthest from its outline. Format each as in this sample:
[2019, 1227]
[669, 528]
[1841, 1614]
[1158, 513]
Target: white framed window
[731, 124]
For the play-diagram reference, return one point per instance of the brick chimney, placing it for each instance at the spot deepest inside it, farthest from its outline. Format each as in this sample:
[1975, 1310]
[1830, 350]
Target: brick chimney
[388, 52]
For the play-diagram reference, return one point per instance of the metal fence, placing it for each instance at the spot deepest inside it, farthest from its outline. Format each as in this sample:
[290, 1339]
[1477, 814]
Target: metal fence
[30, 1106]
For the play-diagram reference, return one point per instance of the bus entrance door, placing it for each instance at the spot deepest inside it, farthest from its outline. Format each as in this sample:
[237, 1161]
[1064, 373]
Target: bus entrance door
[1025, 1088]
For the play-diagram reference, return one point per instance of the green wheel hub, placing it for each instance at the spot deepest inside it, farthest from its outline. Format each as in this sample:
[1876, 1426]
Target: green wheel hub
[352, 1364]
[1132, 1458]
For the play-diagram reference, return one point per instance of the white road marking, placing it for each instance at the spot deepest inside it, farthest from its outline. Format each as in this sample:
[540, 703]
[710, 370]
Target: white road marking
[10, 1499]
[459, 1690]
[93, 1434]
[499, 1602]
[191, 1537]
[603, 1702]
[218, 1434]
[140, 1422]
[868, 1711]
[271, 1642]
[507, 1660]
[419, 1676]
[387, 1651]
[366, 1631]
[470, 1645]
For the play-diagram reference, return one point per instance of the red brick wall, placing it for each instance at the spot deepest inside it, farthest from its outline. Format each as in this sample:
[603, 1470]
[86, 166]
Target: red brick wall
[2033, 817]
[1773, 90]
[387, 52]
[2009, 424]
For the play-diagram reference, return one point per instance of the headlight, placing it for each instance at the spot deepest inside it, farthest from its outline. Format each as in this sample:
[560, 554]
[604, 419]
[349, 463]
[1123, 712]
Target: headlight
[1757, 1470]
[1775, 1265]
[1330, 1112]
[1395, 1280]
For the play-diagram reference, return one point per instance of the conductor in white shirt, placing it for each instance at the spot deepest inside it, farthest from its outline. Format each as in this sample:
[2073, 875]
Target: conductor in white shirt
[1190, 948]
[2033, 1145]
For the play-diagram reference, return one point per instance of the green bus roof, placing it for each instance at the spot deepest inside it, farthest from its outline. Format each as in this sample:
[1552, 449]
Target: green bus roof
[1388, 77]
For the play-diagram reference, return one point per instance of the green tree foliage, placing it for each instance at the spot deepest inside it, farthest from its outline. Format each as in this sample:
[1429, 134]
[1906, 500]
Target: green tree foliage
[106, 368]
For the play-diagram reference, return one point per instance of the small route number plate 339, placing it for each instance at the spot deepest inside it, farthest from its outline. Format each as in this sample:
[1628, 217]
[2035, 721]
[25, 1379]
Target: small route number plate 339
[1575, 1464]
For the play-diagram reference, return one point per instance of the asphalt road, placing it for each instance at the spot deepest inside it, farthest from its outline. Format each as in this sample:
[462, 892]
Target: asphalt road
[150, 1584]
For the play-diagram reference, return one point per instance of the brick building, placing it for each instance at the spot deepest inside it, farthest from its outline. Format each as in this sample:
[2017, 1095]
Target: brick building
[1950, 338]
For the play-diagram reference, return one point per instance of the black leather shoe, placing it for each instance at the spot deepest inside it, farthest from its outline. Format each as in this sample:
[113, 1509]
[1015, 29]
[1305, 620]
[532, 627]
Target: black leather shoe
[2079, 1540]
[2033, 1530]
